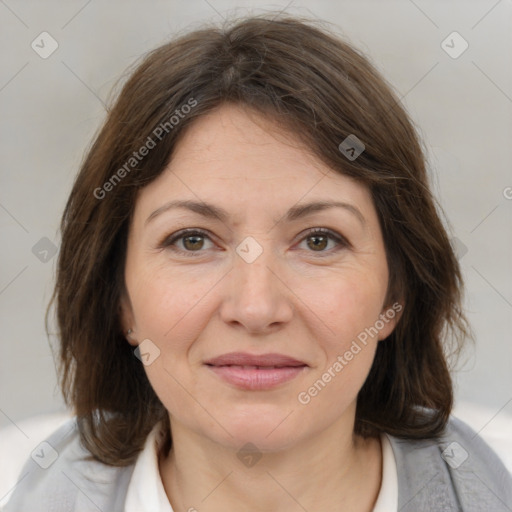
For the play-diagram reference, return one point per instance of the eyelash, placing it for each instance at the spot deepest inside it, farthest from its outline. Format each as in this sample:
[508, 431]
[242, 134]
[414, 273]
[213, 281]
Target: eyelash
[184, 233]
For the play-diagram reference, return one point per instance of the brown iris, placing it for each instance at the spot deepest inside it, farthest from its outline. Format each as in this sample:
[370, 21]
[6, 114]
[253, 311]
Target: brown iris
[323, 242]
[197, 242]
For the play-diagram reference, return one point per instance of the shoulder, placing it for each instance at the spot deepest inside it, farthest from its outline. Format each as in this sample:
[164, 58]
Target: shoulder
[457, 471]
[61, 475]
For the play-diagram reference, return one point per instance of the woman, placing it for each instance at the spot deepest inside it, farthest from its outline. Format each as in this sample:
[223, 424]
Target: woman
[255, 295]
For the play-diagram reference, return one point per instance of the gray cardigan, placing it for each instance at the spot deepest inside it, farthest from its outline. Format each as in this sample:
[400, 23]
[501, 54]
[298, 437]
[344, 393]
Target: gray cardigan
[458, 472]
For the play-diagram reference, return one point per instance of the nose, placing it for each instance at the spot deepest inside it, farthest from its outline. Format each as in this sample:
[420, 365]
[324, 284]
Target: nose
[256, 295]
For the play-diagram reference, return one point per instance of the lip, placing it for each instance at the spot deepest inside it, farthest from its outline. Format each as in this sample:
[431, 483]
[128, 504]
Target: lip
[256, 372]
[246, 359]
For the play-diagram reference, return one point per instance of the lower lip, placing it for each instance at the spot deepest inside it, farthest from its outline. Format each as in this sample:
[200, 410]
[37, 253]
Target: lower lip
[257, 379]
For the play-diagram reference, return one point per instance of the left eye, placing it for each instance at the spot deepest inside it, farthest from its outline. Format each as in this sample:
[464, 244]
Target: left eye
[320, 237]
[192, 240]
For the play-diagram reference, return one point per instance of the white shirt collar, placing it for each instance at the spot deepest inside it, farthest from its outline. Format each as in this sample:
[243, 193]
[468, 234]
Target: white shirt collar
[146, 492]
[387, 500]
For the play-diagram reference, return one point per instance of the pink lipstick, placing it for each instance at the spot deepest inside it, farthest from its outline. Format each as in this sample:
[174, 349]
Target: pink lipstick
[256, 372]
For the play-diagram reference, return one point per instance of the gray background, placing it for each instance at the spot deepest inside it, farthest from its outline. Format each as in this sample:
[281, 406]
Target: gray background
[51, 108]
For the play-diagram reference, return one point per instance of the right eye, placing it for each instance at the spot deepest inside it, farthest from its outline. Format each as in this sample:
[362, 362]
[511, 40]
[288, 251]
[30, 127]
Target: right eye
[191, 240]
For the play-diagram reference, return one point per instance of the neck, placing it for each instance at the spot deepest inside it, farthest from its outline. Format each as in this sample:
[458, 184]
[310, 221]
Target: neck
[334, 469]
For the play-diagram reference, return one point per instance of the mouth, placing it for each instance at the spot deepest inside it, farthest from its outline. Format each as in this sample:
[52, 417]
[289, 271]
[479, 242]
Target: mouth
[256, 372]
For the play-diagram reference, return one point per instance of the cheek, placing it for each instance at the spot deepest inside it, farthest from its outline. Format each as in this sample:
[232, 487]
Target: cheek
[172, 310]
[165, 304]
[348, 305]
[350, 308]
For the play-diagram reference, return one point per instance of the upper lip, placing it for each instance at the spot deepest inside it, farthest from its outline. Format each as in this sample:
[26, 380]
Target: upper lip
[245, 359]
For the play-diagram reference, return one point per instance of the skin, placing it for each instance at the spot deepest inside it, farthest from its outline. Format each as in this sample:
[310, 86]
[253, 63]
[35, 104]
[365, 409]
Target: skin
[295, 299]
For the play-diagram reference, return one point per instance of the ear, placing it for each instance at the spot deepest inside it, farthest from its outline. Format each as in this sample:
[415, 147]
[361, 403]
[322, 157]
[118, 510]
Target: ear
[389, 316]
[127, 319]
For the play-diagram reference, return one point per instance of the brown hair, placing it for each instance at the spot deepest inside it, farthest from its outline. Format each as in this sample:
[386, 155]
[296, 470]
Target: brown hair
[321, 89]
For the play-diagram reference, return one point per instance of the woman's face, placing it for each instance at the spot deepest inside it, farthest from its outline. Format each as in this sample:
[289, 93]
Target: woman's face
[262, 280]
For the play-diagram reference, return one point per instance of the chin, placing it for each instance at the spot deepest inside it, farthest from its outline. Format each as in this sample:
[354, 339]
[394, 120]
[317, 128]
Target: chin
[263, 427]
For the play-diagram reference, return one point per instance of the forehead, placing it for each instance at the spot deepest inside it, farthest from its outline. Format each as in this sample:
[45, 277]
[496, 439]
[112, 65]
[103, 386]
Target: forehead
[237, 157]
[238, 134]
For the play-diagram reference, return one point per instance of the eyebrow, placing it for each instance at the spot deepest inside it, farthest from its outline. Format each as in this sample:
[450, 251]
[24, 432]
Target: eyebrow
[294, 213]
